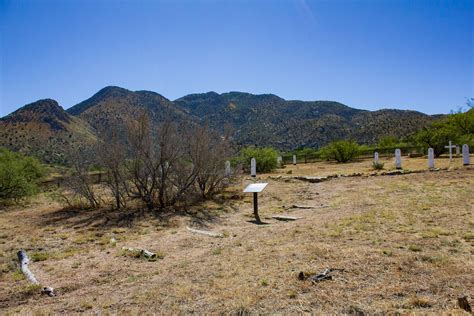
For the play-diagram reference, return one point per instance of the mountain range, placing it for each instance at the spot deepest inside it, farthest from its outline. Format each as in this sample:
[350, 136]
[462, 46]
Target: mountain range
[46, 130]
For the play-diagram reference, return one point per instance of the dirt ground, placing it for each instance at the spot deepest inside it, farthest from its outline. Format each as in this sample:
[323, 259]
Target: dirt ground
[404, 243]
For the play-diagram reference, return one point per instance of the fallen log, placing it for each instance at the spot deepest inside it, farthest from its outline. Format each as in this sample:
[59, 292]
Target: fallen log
[285, 218]
[24, 260]
[304, 207]
[139, 252]
[205, 232]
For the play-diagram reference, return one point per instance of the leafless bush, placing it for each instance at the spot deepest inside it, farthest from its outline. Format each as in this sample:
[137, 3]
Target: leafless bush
[79, 184]
[208, 153]
[111, 154]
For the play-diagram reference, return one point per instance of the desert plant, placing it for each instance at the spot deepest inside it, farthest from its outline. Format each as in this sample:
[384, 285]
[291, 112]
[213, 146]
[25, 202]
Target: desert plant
[266, 158]
[342, 151]
[377, 165]
[19, 175]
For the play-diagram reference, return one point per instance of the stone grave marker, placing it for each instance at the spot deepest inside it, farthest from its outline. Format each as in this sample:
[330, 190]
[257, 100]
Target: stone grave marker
[398, 158]
[376, 157]
[253, 167]
[430, 158]
[465, 155]
[294, 159]
[228, 171]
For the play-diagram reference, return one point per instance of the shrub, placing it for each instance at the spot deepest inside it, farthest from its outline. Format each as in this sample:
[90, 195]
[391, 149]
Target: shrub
[18, 175]
[341, 151]
[377, 165]
[266, 158]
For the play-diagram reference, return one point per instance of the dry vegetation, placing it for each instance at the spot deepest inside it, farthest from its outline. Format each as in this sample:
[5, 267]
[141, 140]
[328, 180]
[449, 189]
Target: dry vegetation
[406, 244]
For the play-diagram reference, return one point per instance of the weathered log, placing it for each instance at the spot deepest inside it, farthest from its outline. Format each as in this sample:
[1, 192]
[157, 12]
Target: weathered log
[205, 232]
[140, 252]
[24, 261]
[285, 218]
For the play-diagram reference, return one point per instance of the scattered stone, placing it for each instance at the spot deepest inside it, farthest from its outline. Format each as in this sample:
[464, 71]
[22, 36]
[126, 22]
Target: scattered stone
[205, 232]
[140, 252]
[285, 218]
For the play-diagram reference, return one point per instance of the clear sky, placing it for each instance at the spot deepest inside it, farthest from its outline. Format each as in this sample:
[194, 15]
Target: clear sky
[367, 54]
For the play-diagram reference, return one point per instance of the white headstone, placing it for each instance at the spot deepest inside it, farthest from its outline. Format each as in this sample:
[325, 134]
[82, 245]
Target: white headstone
[457, 151]
[430, 158]
[227, 168]
[294, 159]
[376, 156]
[450, 147]
[253, 167]
[465, 154]
[279, 161]
[398, 158]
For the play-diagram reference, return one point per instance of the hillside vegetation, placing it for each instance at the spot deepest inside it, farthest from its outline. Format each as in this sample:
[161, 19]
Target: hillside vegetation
[45, 130]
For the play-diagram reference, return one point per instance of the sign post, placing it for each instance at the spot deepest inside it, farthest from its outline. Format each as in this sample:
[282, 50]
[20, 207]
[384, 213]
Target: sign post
[255, 188]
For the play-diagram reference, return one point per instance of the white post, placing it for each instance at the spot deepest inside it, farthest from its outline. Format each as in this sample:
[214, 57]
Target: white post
[450, 147]
[430, 158]
[279, 161]
[294, 159]
[227, 168]
[398, 158]
[253, 167]
[465, 155]
[376, 157]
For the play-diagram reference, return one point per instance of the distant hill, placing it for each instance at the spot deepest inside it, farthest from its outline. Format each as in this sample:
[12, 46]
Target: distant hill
[113, 107]
[44, 128]
[270, 120]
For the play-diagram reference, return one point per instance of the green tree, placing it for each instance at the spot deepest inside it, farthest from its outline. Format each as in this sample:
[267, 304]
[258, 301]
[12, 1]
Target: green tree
[388, 141]
[266, 158]
[436, 137]
[18, 175]
[342, 151]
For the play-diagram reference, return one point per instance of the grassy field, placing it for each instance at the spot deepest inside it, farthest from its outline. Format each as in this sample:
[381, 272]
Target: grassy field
[403, 243]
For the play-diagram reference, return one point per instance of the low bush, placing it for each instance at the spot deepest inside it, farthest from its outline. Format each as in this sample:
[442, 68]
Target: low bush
[266, 158]
[342, 151]
[377, 165]
[18, 175]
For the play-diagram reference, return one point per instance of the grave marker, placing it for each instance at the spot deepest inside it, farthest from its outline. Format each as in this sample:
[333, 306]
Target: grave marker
[398, 158]
[228, 171]
[279, 161]
[465, 155]
[457, 151]
[450, 147]
[376, 157]
[294, 159]
[253, 167]
[430, 158]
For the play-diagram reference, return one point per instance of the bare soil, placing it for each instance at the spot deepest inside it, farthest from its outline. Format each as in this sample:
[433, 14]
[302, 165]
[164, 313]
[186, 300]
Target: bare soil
[403, 243]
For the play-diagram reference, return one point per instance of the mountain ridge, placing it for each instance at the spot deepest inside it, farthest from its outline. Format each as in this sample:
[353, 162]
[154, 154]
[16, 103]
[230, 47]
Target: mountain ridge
[261, 120]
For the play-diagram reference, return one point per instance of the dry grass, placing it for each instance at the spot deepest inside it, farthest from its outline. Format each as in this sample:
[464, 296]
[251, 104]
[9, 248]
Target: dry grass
[405, 244]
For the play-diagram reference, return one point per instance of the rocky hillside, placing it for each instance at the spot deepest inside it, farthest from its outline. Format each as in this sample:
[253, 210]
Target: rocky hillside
[270, 120]
[114, 107]
[45, 129]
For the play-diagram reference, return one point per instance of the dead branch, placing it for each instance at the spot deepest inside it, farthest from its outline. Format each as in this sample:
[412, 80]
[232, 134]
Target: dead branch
[24, 260]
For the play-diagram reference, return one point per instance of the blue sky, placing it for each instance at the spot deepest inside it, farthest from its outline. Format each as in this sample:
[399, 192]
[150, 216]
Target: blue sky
[367, 54]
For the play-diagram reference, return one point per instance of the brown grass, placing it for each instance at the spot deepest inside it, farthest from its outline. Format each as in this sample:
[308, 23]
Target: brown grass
[404, 243]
